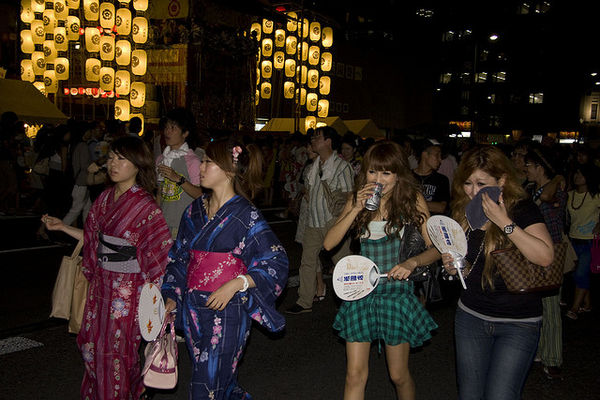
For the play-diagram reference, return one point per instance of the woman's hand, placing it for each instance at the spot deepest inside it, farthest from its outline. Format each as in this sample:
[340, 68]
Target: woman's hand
[363, 194]
[403, 270]
[93, 168]
[219, 299]
[170, 305]
[168, 173]
[52, 223]
[448, 263]
[496, 212]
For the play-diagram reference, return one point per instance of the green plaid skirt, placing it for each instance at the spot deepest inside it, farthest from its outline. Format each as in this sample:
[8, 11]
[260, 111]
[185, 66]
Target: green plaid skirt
[391, 313]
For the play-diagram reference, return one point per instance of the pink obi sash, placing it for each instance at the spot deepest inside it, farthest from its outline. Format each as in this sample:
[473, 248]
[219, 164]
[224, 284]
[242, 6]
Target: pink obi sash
[208, 270]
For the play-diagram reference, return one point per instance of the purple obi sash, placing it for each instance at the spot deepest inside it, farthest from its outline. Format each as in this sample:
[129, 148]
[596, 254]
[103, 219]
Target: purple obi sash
[208, 270]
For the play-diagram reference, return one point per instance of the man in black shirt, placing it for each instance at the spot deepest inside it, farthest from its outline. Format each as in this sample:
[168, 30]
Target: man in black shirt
[435, 186]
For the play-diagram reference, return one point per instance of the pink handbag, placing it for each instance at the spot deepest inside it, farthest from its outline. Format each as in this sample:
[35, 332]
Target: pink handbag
[160, 368]
[595, 264]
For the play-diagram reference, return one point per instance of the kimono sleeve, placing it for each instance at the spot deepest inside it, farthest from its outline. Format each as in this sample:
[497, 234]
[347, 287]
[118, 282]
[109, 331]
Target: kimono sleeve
[153, 248]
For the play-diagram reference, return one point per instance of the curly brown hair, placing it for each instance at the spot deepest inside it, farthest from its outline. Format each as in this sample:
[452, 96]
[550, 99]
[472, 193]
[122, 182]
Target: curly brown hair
[135, 150]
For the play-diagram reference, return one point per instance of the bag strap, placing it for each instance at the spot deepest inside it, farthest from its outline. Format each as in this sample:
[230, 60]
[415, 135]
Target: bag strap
[77, 249]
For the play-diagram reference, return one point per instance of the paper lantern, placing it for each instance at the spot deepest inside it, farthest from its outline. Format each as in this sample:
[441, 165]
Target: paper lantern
[255, 28]
[305, 28]
[50, 81]
[266, 69]
[301, 74]
[50, 22]
[289, 88]
[315, 31]
[279, 38]
[256, 97]
[60, 38]
[323, 108]
[301, 96]
[39, 62]
[291, 44]
[107, 15]
[325, 85]
[327, 37]
[27, 45]
[140, 5]
[38, 6]
[123, 52]
[107, 48]
[122, 110]
[73, 25]
[107, 78]
[61, 66]
[50, 52]
[141, 117]
[123, 21]
[92, 69]
[122, 82]
[73, 4]
[139, 61]
[290, 68]
[278, 59]
[313, 79]
[267, 26]
[304, 47]
[91, 10]
[40, 86]
[27, 73]
[292, 21]
[310, 123]
[137, 94]
[92, 40]
[38, 33]
[139, 30]
[267, 47]
[311, 102]
[265, 90]
[314, 55]
[326, 61]
[27, 14]
[61, 10]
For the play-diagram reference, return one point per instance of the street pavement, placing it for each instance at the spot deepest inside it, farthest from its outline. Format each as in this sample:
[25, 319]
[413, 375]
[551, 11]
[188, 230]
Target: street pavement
[306, 361]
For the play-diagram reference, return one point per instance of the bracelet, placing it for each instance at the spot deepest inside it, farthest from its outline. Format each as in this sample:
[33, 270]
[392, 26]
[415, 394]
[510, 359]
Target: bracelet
[246, 283]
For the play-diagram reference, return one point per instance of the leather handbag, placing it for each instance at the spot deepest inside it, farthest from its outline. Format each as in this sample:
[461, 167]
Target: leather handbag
[63, 288]
[523, 276]
[160, 367]
[595, 263]
[413, 244]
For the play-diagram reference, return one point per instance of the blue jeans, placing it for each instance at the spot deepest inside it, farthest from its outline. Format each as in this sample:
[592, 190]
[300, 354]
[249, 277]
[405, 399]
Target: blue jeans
[493, 358]
[583, 249]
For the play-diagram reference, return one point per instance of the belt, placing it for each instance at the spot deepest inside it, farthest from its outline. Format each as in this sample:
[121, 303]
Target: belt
[208, 271]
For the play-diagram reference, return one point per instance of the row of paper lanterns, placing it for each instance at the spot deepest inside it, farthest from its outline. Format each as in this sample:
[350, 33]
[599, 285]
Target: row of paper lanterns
[92, 10]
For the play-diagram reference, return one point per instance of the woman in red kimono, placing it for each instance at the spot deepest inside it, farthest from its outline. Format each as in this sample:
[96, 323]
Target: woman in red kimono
[126, 243]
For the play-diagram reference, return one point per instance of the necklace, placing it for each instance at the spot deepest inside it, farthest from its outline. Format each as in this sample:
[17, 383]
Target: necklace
[573, 203]
[478, 252]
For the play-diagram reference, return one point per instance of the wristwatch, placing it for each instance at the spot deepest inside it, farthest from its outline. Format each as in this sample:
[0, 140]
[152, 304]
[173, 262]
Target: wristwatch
[508, 229]
[181, 181]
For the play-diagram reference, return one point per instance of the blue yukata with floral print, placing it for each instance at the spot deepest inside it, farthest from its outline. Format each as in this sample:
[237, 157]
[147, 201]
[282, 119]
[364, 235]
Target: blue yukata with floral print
[216, 339]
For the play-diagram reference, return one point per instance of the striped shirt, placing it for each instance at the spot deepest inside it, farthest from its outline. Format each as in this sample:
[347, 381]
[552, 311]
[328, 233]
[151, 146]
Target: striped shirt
[338, 175]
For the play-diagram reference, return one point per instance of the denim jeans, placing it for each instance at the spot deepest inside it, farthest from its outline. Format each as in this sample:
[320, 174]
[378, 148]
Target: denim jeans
[493, 358]
[583, 249]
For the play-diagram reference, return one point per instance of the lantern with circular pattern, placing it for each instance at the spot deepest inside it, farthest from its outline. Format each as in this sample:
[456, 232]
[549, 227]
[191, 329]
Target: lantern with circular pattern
[267, 47]
[107, 15]
[60, 38]
[291, 45]
[311, 102]
[122, 110]
[314, 55]
[279, 38]
[292, 21]
[267, 26]
[278, 59]
[50, 22]
[315, 31]
[38, 33]
[92, 39]
[139, 60]
[123, 21]
[122, 82]
[27, 73]
[38, 6]
[107, 79]
[310, 123]
[39, 62]
[73, 25]
[61, 10]
[290, 68]
[289, 88]
[313, 79]
[61, 66]
[50, 52]
[92, 69]
[123, 52]
[137, 94]
[265, 90]
[139, 30]
[50, 81]
[107, 48]
[266, 69]
[91, 10]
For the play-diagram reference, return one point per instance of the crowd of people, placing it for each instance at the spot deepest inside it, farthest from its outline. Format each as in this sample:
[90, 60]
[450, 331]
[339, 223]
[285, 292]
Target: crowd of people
[182, 213]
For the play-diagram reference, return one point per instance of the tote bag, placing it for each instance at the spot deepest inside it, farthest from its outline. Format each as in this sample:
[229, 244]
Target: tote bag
[63, 288]
[80, 292]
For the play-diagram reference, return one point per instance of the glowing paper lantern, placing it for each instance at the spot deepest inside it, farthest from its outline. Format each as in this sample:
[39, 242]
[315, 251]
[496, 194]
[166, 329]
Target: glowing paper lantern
[323, 108]
[325, 85]
[314, 55]
[38, 33]
[92, 40]
[139, 61]
[123, 52]
[38, 6]
[91, 10]
[50, 52]
[305, 28]
[290, 68]
[292, 21]
[123, 21]
[304, 47]
[27, 73]
[313, 78]
[326, 61]
[50, 81]
[315, 31]
[267, 47]
[311, 102]
[73, 4]
[140, 30]
[301, 96]
[291, 44]
[72, 26]
[60, 39]
[140, 5]
[27, 45]
[278, 59]
[107, 48]
[50, 22]
[289, 89]
[279, 38]
[267, 26]
[327, 37]
[265, 90]
[92, 69]
[310, 123]
[266, 69]
[40, 86]
[122, 110]
[256, 97]
[27, 14]
[107, 15]
[61, 66]
[301, 74]
[60, 10]
[255, 27]
[137, 94]
[122, 82]
[107, 79]
[39, 62]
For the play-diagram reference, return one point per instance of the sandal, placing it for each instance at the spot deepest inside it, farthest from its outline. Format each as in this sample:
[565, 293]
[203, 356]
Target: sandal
[584, 310]
[321, 297]
[572, 315]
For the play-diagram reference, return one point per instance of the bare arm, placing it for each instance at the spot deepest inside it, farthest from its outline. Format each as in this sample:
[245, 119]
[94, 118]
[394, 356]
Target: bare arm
[168, 172]
[55, 224]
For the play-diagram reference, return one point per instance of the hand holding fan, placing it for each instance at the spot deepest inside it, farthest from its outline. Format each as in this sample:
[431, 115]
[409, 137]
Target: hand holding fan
[354, 277]
[448, 237]
[151, 311]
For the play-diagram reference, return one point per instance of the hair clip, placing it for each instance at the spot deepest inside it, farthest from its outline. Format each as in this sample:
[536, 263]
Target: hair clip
[235, 152]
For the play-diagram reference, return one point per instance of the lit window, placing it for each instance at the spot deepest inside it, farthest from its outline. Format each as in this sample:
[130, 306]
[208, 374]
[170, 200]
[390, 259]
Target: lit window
[481, 77]
[446, 77]
[536, 98]
[492, 98]
[499, 77]
[523, 8]
[448, 36]
[484, 55]
[594, 112]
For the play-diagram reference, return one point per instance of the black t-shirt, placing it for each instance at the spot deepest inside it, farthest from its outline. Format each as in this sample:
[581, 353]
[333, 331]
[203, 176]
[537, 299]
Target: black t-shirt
[435, 186]
[499, 302]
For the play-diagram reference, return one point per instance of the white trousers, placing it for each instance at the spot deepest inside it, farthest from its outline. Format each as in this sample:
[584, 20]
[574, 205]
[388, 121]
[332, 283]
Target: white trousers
[81, 202]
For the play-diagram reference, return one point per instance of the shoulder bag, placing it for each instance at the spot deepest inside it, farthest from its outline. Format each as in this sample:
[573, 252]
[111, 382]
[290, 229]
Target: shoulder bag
[63, 288]
[160, 367]
[412, 245]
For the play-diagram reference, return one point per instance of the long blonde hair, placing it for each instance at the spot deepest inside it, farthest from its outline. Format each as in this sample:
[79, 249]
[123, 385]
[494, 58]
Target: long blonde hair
[493, 162]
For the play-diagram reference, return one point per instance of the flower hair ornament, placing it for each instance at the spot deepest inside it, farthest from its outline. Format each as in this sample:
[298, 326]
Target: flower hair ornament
[235, 152]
